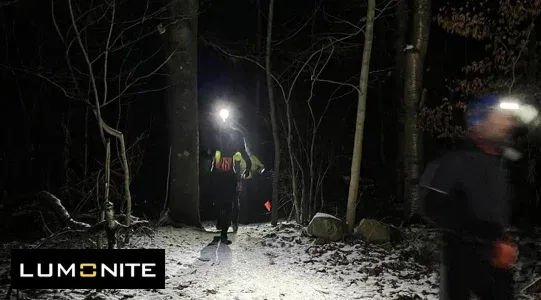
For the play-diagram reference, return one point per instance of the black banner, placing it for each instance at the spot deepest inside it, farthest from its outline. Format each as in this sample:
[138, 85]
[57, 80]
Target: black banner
[88, 269]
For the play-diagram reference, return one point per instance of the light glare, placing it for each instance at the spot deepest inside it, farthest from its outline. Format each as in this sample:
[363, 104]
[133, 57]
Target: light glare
[509, 105]
[224, 114]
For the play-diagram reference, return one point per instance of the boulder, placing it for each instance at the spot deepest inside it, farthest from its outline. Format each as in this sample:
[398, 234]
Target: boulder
[327, 227]
[374, 231]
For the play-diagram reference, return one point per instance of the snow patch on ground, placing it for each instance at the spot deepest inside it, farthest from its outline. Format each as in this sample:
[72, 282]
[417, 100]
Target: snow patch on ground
[269, 263]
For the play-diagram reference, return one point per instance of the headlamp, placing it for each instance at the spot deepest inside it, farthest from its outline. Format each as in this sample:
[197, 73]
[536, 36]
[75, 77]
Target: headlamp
[528, 125]
[521, 107]
[224, 114]
[509, 105]
[527, 114]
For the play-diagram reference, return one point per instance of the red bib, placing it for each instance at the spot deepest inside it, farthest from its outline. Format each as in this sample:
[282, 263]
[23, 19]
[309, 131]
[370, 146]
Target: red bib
[224, 164]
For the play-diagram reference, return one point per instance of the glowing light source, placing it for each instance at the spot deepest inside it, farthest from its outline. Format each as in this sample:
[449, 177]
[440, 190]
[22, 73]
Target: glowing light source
[509, 105]
[224, 114]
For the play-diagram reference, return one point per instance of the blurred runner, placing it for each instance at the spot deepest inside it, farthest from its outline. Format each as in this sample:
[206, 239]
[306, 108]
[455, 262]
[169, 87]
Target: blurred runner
[466, 192]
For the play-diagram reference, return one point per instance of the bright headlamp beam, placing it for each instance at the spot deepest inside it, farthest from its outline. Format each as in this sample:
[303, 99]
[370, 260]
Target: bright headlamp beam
[224, 114]
[509, 105]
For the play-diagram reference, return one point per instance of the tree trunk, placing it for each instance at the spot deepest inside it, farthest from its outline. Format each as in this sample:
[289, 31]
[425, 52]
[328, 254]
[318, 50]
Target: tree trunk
[126, 168]
[275, 133]
[183, 115]
[359, 124]
[413, 84]
[289, 137]
[309, 211]
[104, 216]
[255, 139]
[85, 164]
[311, 169]
[400, 44]
[258, 51]
[382, 115]
[302, 197]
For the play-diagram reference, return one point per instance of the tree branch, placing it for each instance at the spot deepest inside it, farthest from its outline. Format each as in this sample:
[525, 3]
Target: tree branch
[90, 70]
[106, 60]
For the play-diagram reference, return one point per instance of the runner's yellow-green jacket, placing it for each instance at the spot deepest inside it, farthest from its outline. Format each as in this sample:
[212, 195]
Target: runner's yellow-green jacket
[257, 165]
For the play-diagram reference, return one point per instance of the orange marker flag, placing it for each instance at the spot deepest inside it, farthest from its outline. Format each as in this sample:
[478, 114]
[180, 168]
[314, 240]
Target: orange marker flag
[268, 205]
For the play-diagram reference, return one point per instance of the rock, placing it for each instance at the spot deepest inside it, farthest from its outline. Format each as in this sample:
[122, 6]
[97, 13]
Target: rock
[326, 227]
[374, 231]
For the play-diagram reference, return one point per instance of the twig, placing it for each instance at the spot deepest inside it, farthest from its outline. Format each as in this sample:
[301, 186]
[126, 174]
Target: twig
[533, 287]
[128, 86]
[106, 60]
[57, 235]
[167, 184]
[532, 26]
[64, 91]
[5, 3]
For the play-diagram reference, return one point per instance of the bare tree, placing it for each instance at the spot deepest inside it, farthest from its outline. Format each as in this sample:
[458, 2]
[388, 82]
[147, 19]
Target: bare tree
[270, 91]
[258, 51]
[315, 64]
[361, 110]
[400, 66]
[413, 85]
[103, 66]
[183, 113]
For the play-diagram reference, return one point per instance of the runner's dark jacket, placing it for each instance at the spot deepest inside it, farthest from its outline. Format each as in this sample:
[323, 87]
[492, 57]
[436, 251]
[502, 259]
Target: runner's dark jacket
[466, 191]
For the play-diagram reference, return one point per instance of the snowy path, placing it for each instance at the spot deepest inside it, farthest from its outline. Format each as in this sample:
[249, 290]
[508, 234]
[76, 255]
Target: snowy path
[243, 270]
[270, 263]
[267, 263]
[274, 263]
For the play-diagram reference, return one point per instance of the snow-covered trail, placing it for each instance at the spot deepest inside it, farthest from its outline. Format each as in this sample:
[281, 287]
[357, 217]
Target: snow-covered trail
[269, 263]
[246, 270]
[273, 263]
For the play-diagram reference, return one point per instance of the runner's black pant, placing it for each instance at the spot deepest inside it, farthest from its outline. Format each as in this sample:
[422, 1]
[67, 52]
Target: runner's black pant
[466, 269]
[236, 208]
[225, 185]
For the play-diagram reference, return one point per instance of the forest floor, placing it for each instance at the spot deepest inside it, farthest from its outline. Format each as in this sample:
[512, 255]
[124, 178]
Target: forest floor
[272, 263]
